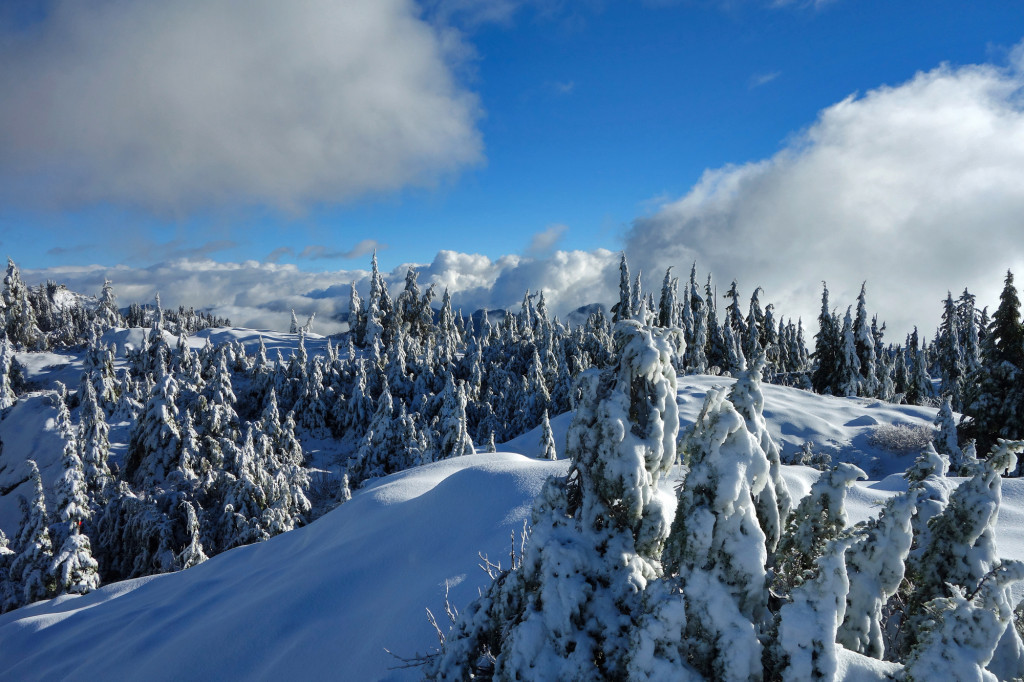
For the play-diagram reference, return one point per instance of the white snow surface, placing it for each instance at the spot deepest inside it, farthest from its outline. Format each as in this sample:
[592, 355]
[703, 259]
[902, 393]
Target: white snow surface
[325, 600]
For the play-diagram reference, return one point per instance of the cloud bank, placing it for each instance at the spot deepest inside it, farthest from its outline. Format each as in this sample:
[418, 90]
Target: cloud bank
[917, 189]
[262, 295]
[172, 106]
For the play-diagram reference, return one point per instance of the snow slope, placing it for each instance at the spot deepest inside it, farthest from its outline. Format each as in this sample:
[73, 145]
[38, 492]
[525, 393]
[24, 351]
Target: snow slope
[325, 600]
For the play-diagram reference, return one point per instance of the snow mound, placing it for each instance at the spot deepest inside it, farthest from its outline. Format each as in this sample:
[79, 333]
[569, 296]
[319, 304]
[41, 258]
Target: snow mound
[319, 602]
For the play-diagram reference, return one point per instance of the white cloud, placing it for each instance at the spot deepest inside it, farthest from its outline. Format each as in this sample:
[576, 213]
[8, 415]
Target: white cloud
[543, 242]
[759, 79]
[172, 106]
[917, 189]
[262, 295]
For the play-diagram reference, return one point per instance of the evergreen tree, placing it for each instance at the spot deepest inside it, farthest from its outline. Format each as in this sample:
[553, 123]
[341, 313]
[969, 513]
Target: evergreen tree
[7, 396]
[864, 342]
[827, 349]
[93, 436]
[155, 445]
[31, 570]
[192, 554]
[9, 594]
[567, 611]
[947, 442]
[848, 376]
[875, 566]
[994, 407]
[453, 438]
[959, 637]
[547, 440]
[74, 569]
[716, 553]
[819, 518]
[950, 353]
[805, 648]
[961, 549]
[623, 310]
[773, 502]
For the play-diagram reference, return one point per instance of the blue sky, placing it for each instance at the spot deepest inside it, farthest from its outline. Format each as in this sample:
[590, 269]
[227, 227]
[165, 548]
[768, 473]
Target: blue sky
[526, 129]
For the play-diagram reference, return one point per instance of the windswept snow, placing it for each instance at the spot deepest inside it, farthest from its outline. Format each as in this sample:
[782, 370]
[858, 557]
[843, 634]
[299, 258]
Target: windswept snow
[325, 600]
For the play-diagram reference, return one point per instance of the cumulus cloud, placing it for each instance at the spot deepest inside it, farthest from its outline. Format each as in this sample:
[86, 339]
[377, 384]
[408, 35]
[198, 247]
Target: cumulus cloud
[917, 188]
[262, 295]
[543, 242]
[198, 103]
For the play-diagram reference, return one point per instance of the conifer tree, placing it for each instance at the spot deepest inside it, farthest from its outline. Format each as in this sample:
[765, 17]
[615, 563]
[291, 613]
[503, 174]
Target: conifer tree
[31, 570]
[716, 553]
[547, 440]
[155, 443]
[995, 405]
[864, 342]
[453, 435]
[623, 310]
[947, 442]
[95, 445]
[819, 518]
[74, 569]
[9, 594]
[875, 566]
[773, 503]
[961, 547]
[566, 612]
[668, 305]
[7, 396]
[959, 637]
[805, 647]
[848, 377]
[192, 554]
[827, 349]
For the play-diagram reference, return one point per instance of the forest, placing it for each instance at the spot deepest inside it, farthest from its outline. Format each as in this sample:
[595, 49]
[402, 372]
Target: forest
[174, 452]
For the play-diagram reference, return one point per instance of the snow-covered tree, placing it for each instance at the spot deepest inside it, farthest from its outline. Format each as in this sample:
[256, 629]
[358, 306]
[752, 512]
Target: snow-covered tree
[31, 570]
[819, 518]
[7, 396]
[716, 553]
[947, 441]
[961, 547]
[94, 440]
[547, 440]
[623, 310]
[875, 566]
[864, 342]
[155, 444]
[192, 554]
[774, 501]
[960, 632]
[848, 372]
[994, 405]
[805, 646]
[74, 569]
[453, 438]
[827, 348]
[72, 495]
[567, 612]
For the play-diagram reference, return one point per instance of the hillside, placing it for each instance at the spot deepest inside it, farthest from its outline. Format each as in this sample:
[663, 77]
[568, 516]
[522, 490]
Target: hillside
[327, 599]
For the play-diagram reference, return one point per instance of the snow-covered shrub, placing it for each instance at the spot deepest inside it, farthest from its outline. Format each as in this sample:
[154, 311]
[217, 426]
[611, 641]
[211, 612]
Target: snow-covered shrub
[900, 438]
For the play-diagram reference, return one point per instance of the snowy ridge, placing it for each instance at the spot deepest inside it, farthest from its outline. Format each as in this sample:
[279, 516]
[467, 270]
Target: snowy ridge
[326, 599]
